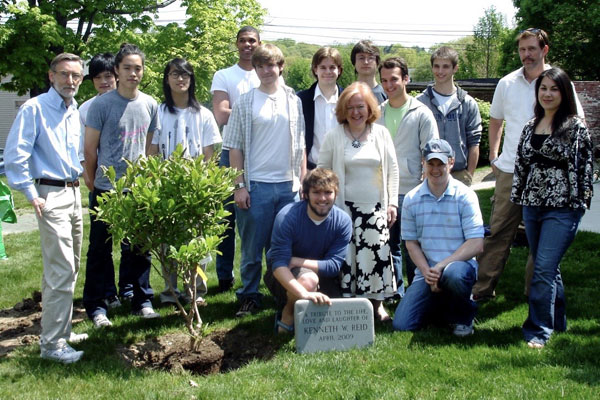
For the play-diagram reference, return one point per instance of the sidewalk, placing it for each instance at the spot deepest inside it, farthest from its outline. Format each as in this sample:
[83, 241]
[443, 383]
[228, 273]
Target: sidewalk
[27, 223]
[591, 219]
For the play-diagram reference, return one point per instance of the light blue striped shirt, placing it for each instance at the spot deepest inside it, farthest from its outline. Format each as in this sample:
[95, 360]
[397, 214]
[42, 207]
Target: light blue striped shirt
[441, 225]
[44, 141]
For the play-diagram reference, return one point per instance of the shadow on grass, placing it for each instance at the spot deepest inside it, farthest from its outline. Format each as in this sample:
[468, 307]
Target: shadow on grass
[442, 336]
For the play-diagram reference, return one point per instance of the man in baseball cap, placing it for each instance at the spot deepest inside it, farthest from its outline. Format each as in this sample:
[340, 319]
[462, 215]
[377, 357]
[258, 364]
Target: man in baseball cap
[443, 230]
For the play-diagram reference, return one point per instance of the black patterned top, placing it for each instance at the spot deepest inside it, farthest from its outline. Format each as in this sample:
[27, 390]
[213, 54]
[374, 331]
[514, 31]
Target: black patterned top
[557, 174]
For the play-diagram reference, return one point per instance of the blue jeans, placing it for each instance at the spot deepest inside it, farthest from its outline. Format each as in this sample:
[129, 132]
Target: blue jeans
[550, 231]
[398, 249]
[452, 305]
[224, 263]
[255, 225]
[134, 269]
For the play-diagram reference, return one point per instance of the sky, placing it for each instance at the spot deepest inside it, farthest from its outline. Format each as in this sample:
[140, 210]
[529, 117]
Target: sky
[407, 22]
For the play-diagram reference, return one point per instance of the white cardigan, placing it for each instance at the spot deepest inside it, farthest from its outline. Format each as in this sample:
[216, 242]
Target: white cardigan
[331, 156]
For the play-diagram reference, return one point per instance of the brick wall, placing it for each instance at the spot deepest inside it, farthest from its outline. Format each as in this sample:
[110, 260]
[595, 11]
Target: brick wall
[587, 91]
[589, 96]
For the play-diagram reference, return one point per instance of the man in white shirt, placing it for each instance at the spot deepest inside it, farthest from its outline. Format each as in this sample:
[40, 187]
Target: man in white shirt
[265, 137]
[227, 86]
[320, 100]
[513, 103]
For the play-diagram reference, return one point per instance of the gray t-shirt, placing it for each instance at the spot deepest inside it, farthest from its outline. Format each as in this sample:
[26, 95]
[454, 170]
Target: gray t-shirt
[123, 124]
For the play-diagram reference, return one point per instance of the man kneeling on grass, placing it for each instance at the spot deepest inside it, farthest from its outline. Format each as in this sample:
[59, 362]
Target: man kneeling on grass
[443, 229]
[308, 246]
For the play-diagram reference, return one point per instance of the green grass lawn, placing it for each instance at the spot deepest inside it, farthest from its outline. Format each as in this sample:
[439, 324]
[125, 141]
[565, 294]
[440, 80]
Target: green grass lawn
[493, 363]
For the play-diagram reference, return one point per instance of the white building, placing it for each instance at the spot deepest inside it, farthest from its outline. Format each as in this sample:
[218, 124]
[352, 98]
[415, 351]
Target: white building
[9, 106]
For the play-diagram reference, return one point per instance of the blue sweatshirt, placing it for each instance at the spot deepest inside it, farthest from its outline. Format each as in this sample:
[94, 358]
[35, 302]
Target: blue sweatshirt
[296, 235]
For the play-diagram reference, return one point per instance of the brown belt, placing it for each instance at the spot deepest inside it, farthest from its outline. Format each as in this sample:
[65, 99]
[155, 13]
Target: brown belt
[52, 182]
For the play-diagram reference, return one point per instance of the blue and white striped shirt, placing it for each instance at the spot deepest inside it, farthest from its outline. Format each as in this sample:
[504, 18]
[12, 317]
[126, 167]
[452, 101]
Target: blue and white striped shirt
[44, 141]
[441, 225]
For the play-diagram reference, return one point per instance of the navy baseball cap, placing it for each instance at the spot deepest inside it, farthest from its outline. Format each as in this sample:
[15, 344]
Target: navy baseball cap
[438, 148]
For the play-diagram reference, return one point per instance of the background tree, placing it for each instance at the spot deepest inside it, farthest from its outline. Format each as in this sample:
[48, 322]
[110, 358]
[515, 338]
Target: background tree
[36, 31]
[574, 30]
[483, 55]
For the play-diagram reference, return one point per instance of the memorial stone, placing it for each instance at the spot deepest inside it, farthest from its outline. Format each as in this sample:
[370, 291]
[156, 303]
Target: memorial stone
[346, 324]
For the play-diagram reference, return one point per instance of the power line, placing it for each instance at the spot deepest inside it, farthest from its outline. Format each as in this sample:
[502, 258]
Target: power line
[413, 32]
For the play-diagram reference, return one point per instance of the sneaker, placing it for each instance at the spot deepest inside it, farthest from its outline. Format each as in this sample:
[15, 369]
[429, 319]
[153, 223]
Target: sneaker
[126, 298]
[64, 354]
[147, 313]
[461, 330]
[535, 344]
[112, 302]
[225, 285]
[479, 298]
[101, 320]
[248, 307]
[200, 302]
[77, 337]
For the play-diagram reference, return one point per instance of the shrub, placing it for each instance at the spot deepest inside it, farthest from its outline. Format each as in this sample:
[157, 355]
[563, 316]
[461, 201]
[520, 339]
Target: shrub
[174, 209]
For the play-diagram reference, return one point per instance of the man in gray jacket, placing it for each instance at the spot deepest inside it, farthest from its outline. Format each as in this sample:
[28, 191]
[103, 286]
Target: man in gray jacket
[411, 125]
[456, 113]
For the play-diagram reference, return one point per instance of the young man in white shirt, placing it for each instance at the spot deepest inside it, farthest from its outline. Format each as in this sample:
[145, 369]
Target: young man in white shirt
[265, 137]
[320, 100]
[227, 86]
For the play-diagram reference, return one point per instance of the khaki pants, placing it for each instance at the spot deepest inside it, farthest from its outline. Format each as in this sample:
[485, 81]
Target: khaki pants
[504, 222]
[464, 176]
[61, 234]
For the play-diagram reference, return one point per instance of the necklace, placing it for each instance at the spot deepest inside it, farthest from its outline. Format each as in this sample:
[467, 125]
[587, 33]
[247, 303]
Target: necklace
[356, 143]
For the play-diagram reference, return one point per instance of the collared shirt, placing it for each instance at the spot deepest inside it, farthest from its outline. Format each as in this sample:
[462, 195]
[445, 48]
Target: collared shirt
[325, 120]
[514, 100]
[441, 225]
[239, 134]
[45, 141]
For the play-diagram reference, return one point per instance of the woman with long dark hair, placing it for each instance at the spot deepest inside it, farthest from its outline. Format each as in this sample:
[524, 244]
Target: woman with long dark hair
[183, 121]
[553, 182]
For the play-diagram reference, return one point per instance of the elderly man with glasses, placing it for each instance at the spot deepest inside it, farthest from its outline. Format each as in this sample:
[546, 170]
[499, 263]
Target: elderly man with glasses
[43, 160]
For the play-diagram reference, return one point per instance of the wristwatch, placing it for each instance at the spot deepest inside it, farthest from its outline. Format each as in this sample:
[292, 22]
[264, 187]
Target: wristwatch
[240, 185]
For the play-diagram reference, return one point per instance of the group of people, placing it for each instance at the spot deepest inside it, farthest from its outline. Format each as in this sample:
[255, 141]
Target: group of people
[338, 186]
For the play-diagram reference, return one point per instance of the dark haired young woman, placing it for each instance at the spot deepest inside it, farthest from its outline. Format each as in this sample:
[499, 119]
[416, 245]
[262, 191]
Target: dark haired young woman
[553, 183]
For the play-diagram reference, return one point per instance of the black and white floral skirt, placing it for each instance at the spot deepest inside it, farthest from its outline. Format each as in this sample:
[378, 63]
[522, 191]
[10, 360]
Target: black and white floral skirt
[368, 271]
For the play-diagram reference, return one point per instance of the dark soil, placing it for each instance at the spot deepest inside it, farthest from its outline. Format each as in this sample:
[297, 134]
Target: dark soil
[220, 351]
[20, 325]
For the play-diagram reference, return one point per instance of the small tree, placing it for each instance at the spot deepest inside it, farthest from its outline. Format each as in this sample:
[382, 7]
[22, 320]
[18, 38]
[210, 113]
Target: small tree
[174, 209]
[483, 54]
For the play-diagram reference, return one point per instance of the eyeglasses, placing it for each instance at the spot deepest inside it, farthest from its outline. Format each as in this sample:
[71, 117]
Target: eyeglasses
[177, 75]
[74, 75]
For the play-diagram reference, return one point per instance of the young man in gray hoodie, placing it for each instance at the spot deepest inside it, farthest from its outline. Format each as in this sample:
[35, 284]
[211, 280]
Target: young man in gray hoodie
[411, 125]
[456, 113]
